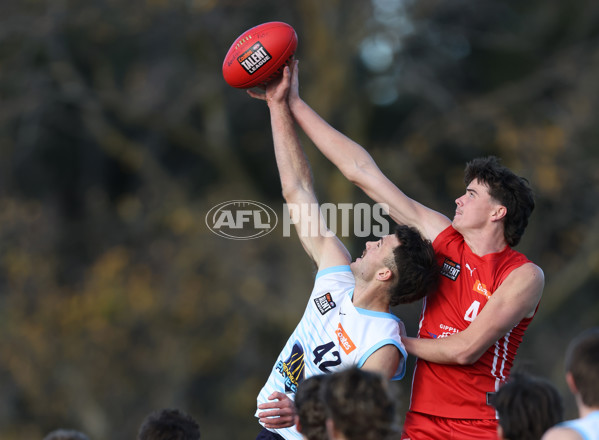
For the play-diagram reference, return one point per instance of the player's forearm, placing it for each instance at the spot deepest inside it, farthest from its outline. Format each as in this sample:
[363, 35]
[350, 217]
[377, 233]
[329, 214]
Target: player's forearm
[296, 182]
[294, 171]
[343, 152]
[450, 350]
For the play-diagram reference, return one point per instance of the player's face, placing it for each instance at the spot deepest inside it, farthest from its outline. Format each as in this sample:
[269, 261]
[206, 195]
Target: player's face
[475, 208]
[374, 255]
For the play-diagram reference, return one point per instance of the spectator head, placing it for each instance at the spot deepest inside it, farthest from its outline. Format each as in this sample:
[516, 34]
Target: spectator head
[311, 411]
[359, 406]
[66, 434]
[527, 407]
[582, 367]
[169, 424]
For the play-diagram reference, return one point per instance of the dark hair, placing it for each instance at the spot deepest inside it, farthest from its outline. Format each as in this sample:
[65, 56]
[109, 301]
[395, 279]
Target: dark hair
[582, 361]
[358, 403]
[508, 189]
[66, 434]
[311, 408]
[527, 407]
[169, 424]
[415, 264]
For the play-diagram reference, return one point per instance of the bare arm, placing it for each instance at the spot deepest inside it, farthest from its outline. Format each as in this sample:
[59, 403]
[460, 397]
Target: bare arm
[515, 299]
[358, 166]
[384, 361]
[296, 180]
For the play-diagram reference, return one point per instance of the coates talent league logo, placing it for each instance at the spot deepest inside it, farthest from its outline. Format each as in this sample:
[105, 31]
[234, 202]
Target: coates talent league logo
[254, 58]
[241, 219]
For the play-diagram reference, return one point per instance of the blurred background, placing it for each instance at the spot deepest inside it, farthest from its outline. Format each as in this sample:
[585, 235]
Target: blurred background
[118, 134]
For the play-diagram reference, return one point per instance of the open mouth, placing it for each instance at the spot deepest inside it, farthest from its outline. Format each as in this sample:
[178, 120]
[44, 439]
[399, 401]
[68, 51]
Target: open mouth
[361, 256]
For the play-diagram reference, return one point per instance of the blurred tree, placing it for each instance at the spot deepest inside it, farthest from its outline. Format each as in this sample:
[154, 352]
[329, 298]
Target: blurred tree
[118, 134]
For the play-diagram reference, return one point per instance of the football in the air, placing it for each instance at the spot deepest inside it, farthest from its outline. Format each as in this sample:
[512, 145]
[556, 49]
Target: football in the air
[259, 55]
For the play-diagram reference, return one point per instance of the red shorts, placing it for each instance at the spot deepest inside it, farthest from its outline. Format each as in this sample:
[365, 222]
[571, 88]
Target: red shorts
[419, 426]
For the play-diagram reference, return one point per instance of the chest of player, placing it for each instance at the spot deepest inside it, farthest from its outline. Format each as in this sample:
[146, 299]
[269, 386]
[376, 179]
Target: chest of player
[465, 288]
[331, 340]
[343, 334]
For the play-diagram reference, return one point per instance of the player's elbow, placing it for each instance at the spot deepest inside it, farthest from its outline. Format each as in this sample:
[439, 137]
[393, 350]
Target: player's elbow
[289, 193]
[353, 173]
[294, 193]
[360, 174]
[465, 358]
[467, 355]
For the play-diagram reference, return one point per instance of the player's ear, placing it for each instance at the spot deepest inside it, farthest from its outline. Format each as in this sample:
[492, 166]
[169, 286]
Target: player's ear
[499, 212]
[384, 274]
[500, 433]
[332, 431]
[571, 383]
[298, 425]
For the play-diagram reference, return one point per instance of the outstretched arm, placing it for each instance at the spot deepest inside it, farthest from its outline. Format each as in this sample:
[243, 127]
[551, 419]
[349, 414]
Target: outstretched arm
[296, 179]
[358, 166]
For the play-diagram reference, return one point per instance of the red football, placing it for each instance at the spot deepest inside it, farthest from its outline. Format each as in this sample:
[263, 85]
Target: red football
[259, 54]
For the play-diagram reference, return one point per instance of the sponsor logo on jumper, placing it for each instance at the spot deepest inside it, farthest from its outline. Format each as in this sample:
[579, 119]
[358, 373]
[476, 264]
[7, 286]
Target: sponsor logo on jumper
[481, 288]
[346, 343]
[450, 269]
[292, 369]
[254, 58]
[324, 303]
[447, 330]
[470, 269]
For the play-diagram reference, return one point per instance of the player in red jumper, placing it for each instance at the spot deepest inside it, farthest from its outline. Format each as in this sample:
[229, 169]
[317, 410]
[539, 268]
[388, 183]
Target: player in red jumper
[470, 329]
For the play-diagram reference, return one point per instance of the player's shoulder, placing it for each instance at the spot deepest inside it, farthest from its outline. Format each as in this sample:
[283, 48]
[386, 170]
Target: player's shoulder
[386, 361]
[529, 271]
[444, 233]
[335, 271]
[561, 433]
[334, 279]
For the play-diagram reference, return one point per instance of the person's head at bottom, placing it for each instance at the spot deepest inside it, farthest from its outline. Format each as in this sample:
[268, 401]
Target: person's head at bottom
[66, 434]
[311, 410]
[358, 406]
[527, 406]
[169, 424]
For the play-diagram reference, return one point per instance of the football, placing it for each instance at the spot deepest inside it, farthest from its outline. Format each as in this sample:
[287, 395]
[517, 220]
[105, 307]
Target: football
[259, 55]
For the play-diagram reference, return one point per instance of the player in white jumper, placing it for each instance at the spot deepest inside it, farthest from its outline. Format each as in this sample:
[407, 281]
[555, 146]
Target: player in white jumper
[582, 377]
[347, 321]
